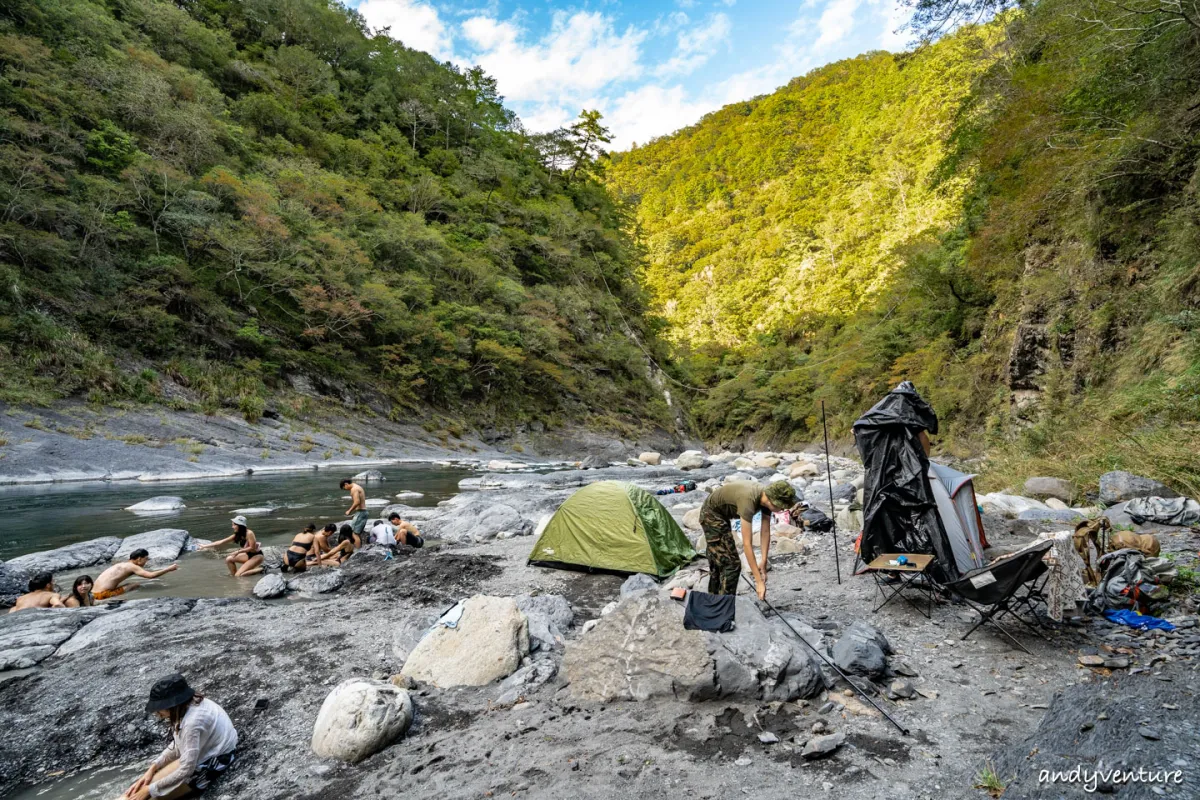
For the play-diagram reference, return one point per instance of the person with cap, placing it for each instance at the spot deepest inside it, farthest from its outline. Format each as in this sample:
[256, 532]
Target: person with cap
[203, 743]
[740, 499]
[248, 558]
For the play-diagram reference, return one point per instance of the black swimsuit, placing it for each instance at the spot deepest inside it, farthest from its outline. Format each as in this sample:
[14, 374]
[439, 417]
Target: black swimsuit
[294, 558]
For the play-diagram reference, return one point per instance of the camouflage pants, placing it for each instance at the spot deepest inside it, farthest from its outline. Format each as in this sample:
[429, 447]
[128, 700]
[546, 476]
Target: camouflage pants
[724, 564]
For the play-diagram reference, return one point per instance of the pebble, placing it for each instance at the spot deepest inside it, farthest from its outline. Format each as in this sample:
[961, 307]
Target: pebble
[1149, 733]
[825, 709]
[818, 727]
[766, 737]
[743, 762]
[1091, 661]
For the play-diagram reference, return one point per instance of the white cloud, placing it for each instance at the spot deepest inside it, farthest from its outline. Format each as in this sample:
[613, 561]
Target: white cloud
[641, 114]
[837, 21]
[893, 37]
[697, 45]
[414, 23]
[580, 55]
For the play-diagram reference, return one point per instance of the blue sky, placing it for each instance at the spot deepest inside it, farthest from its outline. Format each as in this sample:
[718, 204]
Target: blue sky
[651, 67]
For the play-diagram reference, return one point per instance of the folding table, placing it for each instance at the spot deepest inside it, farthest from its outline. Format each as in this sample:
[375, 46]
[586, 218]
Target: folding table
[910, 575]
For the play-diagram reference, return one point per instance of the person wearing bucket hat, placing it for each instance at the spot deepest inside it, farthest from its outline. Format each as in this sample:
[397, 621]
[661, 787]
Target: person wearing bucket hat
[741, 499]
[248, 558]
[203, 744]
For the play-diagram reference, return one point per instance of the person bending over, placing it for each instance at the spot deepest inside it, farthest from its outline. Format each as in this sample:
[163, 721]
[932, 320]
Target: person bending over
[248, 558]
[41, 594]
[109, 583]
[396, 531]
[295, 558]
[81, 593]
[203, 745]
[358, 507]
[741, 499]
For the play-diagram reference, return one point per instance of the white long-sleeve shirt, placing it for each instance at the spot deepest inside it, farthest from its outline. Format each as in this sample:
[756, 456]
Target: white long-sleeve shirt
[205, 731]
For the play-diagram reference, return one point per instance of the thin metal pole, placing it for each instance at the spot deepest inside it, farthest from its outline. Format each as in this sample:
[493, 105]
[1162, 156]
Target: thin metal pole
[837, 562]
[903, 730]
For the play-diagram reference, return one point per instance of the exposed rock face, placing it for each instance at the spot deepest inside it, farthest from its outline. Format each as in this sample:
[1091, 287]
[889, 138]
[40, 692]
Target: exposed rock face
[319, 581]
[1117, 487]
[549, 617]
[499, 521]
[124, 618]
[651, 458]
[164, 544]
[491, 639]
[30, 636]
[157, 505]
[762, 659]
[13, 582]
[639, 651]
[1044, 488]
[359, 718]
[862, 650]
[269, 586]
[690, 459]
[73, 556]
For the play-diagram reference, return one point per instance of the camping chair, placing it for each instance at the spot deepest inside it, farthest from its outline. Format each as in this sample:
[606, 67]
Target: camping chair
[992, 590]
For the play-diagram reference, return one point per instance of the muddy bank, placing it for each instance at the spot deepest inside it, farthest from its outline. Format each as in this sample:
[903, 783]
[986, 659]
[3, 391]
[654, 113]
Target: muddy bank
[72, 441]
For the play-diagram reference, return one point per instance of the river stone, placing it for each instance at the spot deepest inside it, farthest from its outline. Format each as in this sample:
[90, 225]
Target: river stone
[691, 519]
[480, 527]
[803, 469]
[1046, 488]
[639, 651]
[491, 639]
[409, 495]
[1055, 504]
[651, 458]
[410, 630]
[73, 556]
[1116, 487]
[164, 544]
[370, 476]
[689, 460]
[504, 466]
[319, 581]
[762, 659]
[862, 650]
[741, 462]
[157, 505]
[123, 619]
[269, 586]
[526, 680]
[549, 616]
[638, 583]
[821, 746]
[30, 636]
[593, 462]
[766, 461]
[359, 718]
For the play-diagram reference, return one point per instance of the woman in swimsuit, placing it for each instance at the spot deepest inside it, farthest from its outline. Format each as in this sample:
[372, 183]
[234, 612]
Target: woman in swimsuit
[295, 558]
[248, 558]
[81, 593]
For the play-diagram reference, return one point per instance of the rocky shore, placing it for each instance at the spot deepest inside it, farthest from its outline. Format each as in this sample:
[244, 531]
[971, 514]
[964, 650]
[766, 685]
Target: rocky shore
[586, 685]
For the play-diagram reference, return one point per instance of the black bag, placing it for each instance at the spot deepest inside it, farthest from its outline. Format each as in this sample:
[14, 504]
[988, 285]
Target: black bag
[709, 612]
[815, 520]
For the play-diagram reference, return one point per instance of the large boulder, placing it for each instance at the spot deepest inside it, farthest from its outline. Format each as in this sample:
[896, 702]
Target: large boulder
[319, 581]
[164, 544]
[636, 583]
[691, 520]
[651, 458]
[370, 476]
[1117, 487]
[549, 617]
[13, 582]
[1009, 505]
[690, 459]
[766, 461]
[410, 630]
[803, 469]
[157, 505]
[638, 651]
[593, 462]
[268, 586]
[124, 619]
[499, 521]
[28, 637]
[359, 718]
[73, 556]
[862, 650]
[491, 638]
[1045, 488]
[762, 659]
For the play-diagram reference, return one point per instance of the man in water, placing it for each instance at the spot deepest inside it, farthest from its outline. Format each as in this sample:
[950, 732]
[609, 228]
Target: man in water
[358, 507]
[41, 594]
[109, 583]
[396, 531]
[741, 499]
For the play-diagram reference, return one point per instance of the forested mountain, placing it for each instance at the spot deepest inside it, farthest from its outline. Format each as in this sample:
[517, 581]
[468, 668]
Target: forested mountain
[209, 202]
[1008, 217]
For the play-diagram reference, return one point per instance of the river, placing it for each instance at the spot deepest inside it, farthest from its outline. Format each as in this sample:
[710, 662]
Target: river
[45, 516]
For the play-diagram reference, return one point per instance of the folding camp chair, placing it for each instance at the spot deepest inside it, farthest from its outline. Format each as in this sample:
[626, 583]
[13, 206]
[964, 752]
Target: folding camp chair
[992, 590]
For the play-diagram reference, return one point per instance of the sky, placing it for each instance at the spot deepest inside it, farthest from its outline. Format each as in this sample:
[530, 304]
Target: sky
[650, 67]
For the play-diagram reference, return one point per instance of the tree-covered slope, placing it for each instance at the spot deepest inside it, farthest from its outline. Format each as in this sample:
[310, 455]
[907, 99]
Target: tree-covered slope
[1009, 218]
[209, 202]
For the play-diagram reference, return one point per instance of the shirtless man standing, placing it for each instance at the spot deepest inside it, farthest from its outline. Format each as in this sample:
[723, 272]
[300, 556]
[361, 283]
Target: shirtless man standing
[41, 594]
[358, 507]
[109, 583]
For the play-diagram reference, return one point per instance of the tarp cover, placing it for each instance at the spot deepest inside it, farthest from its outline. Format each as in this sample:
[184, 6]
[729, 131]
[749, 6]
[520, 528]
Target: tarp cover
[900, 512]
[616, 526]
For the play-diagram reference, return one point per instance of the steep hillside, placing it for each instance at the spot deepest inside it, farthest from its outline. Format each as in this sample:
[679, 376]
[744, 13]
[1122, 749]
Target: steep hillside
[1009, 218]
[244, 203]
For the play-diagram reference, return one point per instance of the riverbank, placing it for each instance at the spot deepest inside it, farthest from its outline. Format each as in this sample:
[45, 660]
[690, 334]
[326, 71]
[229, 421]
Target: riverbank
[73, 441]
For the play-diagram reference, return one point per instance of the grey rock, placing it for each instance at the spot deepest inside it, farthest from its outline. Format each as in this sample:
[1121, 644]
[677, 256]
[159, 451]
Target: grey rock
[690, 460]
[766, 737]
[13, 582]
[320, 581]
[593, 462]
[359, 718]
[635, 584]
[370, 476]
[269, 586]
[527, 680]
[901, 668]
[1118, 486]
[902, 690]
[1149, 733]
[549, 616]
[1043, 488]
[1049, 514]
[822, 746]
[164, 544]
[124, 619]
[491, 638]
[498, 520]
[73, 556]
[862, 650]
[409, 631]
[157, 505]
[28, 637]
[761, 658]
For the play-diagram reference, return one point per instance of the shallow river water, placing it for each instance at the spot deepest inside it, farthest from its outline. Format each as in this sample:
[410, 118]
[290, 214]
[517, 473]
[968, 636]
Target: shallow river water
[105, 783]
[46, 516]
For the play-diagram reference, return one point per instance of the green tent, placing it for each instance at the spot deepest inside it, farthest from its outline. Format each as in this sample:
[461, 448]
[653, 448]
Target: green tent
[614, 526]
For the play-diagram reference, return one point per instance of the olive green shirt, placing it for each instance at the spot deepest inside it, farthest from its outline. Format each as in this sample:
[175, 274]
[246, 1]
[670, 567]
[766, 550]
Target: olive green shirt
[740, 499]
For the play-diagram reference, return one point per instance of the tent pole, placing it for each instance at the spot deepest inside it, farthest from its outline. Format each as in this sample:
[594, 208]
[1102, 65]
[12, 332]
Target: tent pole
[832, 513]
[903, 730]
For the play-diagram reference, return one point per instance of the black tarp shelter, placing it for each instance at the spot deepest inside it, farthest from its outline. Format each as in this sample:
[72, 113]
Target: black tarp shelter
[900, 512]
